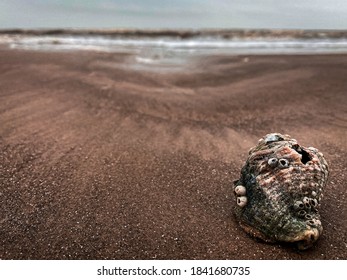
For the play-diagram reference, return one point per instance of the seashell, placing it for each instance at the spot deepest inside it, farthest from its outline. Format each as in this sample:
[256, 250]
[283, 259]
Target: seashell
[284, 183]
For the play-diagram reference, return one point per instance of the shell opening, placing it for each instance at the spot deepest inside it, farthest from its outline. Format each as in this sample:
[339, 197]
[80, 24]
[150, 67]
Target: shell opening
[305, 156]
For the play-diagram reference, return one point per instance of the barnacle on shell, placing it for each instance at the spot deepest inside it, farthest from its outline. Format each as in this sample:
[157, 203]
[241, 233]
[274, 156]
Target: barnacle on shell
[272, 162]
[302, 213]
[242, 201]
[298, 205]
[283, 163]
[240, 190]
[313, 202]
[283, 182]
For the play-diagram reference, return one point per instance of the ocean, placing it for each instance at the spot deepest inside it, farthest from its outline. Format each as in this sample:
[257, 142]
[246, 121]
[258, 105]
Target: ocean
[172, 47]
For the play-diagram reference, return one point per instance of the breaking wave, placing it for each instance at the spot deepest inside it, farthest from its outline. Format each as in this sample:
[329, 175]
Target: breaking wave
[194, 45]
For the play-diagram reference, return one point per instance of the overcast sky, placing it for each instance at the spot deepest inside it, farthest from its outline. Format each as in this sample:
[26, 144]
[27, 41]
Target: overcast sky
[289, 14]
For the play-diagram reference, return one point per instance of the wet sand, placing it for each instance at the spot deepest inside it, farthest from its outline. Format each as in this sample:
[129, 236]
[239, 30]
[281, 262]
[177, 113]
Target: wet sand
[101, 160]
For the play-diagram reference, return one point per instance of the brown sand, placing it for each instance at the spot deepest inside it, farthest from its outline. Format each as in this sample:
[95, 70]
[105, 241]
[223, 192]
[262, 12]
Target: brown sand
[102, 161]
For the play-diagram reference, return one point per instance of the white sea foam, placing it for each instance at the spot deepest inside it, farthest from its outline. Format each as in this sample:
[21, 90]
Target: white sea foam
[204, 45]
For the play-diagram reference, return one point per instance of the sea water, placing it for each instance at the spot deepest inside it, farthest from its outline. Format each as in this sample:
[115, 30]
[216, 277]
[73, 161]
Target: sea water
[174, 50]
[203, 44]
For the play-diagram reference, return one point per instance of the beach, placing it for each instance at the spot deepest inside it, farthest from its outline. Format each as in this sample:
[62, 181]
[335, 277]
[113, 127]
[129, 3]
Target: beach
[103, 156]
